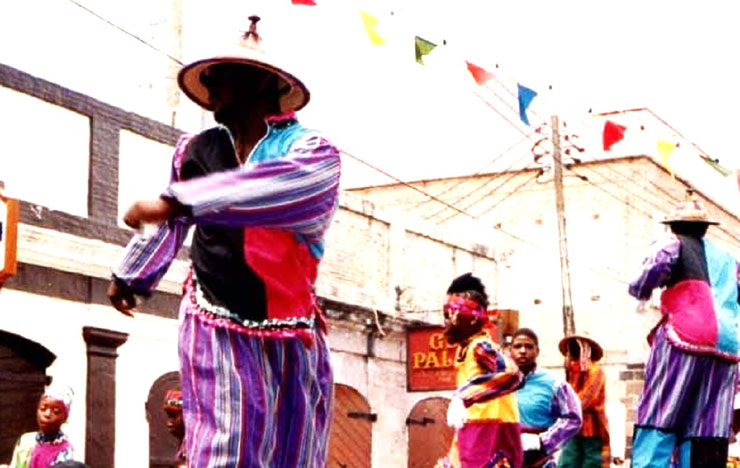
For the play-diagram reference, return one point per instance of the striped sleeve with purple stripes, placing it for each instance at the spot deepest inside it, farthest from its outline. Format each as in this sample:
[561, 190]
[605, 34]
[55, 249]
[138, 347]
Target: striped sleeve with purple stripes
[656, 269]
[298, 192]
[499, 376]
[146, 259]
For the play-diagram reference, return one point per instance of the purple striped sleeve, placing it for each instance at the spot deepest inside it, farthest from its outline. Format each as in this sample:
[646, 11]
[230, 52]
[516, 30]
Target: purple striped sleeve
[146, 259]
[656, 269]
[298, 192]
[567, 408]
[501, 376]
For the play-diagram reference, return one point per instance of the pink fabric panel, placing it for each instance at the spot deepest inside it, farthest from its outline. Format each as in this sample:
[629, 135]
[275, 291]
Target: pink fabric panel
[286, 267]
[480, 443]
[690, 310]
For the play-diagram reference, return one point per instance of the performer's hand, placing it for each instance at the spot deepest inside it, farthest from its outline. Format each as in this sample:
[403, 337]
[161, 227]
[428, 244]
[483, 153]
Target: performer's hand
[456, 413]
[641, 307]
[149, 211]
[531, 442]
[122, 298]
[617, 461]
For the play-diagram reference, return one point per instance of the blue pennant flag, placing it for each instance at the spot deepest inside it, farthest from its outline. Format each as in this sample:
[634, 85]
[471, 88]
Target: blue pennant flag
[525, 99]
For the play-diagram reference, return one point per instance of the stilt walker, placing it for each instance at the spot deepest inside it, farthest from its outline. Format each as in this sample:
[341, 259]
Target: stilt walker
[260, 190]
[686, 404]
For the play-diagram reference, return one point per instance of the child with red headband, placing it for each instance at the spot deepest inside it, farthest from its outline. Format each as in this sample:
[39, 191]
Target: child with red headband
[172, 407]
[484, 409]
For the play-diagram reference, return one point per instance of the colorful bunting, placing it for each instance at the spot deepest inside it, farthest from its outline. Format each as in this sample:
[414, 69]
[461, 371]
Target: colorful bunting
[525, 99]
[371, 23]
[480, 75]
[303, 2]
[612, 133]
[665, 150]
[422, 48]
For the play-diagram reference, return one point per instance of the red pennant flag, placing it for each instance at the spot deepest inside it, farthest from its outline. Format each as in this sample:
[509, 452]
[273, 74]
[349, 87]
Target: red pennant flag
[480, 75]
[612, 134]
[303, 2]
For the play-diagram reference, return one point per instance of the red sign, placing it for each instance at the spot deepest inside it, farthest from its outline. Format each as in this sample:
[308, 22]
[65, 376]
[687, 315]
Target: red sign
[8, 232]
[429, 360]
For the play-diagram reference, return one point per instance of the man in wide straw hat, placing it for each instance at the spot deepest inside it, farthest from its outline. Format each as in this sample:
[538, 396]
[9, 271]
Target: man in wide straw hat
[590, 447]
[686, 404]
[260, 190]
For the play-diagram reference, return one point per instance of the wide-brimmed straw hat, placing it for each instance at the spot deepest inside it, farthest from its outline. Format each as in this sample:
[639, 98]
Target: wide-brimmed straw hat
[597, 352]
[294, 95]
[690, 210]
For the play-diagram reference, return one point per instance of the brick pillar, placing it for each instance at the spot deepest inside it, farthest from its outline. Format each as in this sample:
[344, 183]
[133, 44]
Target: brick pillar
[100, 427]
[634, 378]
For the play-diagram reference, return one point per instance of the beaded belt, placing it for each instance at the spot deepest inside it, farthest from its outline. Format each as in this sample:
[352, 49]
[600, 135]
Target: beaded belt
[218, 311]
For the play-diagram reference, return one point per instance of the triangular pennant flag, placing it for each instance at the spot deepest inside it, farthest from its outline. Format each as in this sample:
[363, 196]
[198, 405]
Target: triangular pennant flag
[303, 2]
[422, 48]
[665, 150]
[738, 179]
[525, 99]
[371, 23]
[480, 75]
[612, 133]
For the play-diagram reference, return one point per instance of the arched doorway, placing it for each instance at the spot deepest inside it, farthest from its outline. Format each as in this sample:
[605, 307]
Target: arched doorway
[162, 445]
[350, 442]
[429, 435]
[23, 377]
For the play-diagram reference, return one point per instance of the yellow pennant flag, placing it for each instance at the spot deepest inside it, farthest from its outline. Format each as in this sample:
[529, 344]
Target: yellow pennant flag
[371, 24]
[665, 150]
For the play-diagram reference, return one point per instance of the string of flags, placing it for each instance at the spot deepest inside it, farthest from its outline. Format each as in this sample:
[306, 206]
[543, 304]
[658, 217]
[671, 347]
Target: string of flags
[612, 132]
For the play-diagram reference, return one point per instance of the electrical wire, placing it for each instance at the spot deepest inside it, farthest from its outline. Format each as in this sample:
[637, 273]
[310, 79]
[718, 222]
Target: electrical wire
[176, 60]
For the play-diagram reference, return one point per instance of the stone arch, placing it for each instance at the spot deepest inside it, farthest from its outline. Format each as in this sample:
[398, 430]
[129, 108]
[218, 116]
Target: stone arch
[23, 365]
[162, 445]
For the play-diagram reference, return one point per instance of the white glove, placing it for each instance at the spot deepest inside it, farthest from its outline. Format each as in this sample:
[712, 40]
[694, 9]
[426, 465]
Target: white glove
[531, 442]
[456, 413]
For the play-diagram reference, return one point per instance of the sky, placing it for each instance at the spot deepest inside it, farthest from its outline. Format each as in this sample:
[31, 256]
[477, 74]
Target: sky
[412, 121]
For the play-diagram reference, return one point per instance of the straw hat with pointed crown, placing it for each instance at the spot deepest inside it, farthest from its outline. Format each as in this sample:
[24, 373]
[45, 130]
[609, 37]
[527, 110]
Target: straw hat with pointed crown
[690, 210]
[293, 93]
[597, 352]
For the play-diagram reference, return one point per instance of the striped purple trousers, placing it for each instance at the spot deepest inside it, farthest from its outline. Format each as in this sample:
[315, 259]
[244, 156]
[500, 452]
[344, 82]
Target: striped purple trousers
[252, 401]
[687, 394]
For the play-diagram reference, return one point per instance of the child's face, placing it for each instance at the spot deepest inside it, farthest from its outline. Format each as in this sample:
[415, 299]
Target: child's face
[460, 324]
[175, 424]
[50, 415]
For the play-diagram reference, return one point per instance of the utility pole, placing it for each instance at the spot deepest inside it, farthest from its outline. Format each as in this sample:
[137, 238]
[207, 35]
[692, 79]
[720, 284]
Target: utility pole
[569, 325]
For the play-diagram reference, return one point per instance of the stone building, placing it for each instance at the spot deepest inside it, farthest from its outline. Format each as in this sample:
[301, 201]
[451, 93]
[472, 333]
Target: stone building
[613, 206]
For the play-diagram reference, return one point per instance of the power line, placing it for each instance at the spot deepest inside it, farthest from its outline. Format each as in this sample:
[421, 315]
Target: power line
[484, 185]
[127, 32]
[479, 171]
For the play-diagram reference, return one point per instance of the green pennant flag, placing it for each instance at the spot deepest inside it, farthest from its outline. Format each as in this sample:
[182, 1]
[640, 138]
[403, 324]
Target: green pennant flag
[716, 165]
[423, 47]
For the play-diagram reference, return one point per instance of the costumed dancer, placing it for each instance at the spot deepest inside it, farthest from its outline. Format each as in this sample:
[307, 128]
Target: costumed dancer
[48, 445]
[590, 448]
[690, 376]
[261, 190]
[484, 410]
[549, 409]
